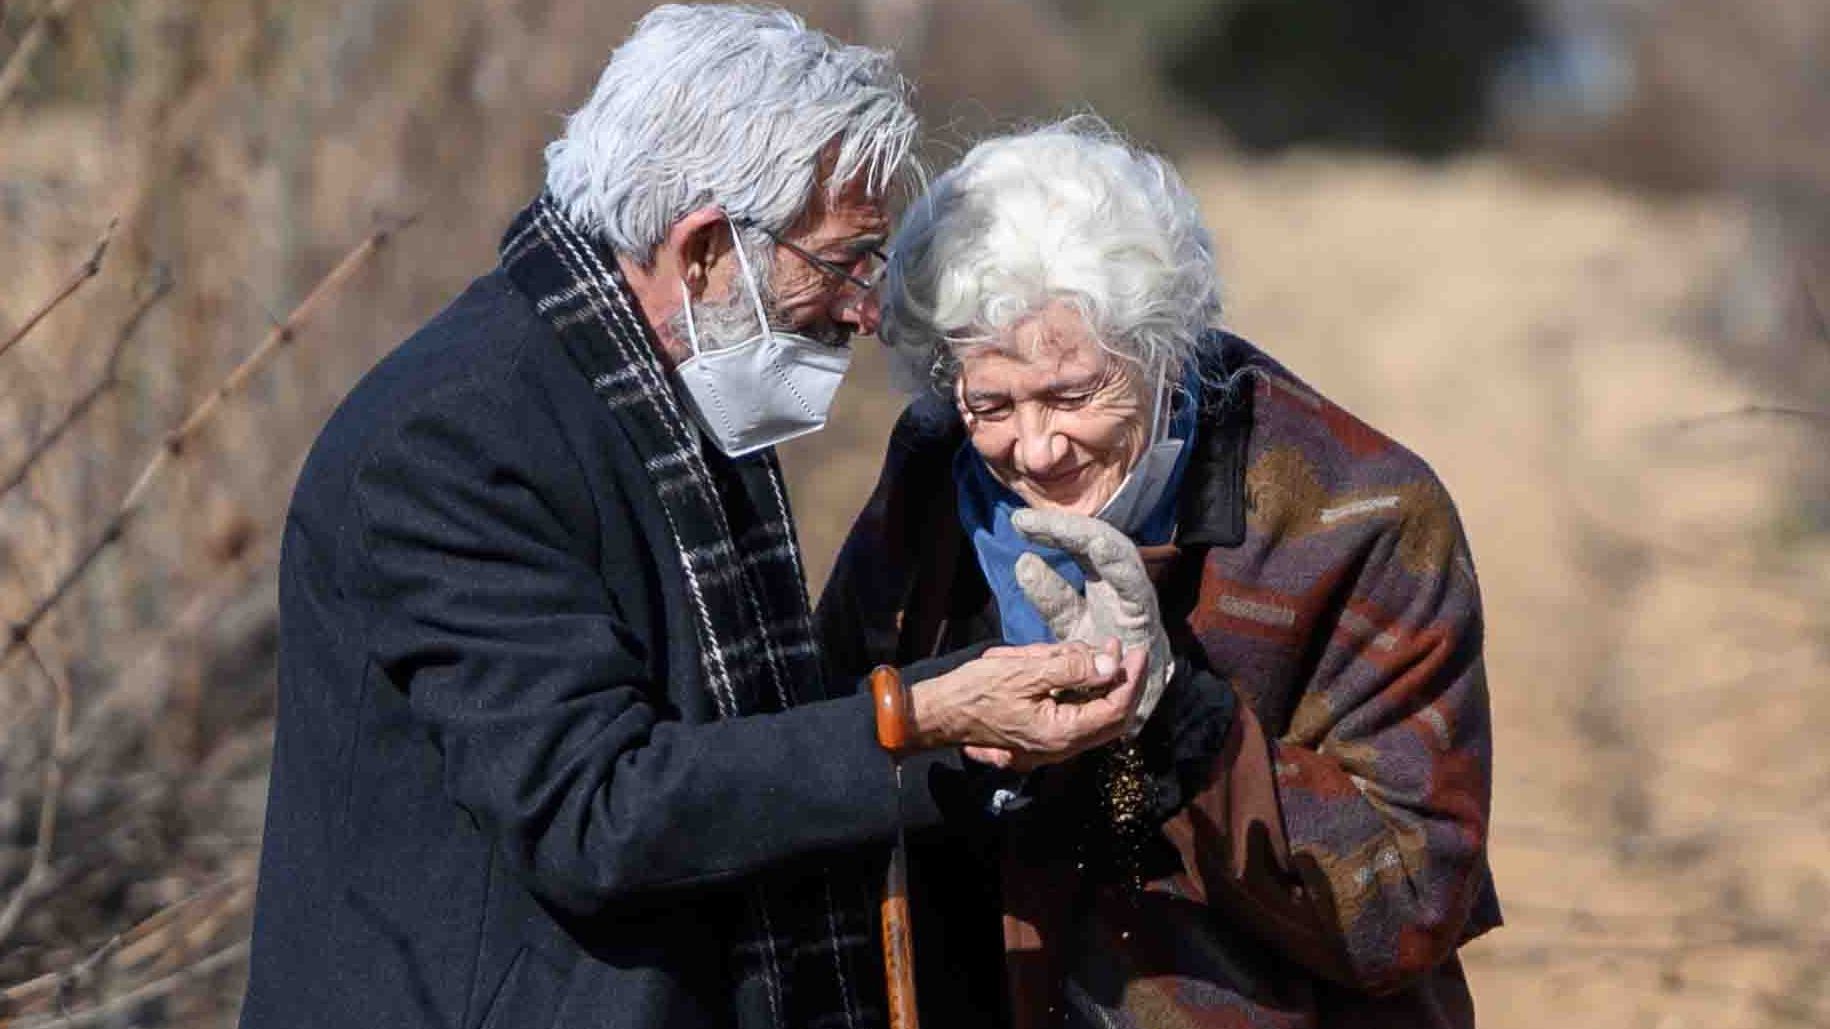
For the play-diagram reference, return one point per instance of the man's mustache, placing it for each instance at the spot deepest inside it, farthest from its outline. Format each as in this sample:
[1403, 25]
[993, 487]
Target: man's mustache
[832, 335]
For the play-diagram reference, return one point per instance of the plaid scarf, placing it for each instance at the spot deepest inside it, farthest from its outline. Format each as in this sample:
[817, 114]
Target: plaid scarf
[804, 954]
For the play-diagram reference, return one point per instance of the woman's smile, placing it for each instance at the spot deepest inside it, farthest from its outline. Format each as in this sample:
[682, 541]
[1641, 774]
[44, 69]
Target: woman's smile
[1054, 415]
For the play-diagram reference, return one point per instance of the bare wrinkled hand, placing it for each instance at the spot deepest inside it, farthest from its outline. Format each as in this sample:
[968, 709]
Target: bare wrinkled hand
[1120, 601]
[1033, 705]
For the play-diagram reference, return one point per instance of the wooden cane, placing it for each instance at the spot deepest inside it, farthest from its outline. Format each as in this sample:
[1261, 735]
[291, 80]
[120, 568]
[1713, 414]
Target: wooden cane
[899, 939]
[896, 734]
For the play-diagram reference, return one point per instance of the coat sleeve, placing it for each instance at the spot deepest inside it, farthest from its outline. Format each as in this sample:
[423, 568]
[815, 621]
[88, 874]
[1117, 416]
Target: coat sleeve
[1356, 841]
[494, 606]
[859, 618]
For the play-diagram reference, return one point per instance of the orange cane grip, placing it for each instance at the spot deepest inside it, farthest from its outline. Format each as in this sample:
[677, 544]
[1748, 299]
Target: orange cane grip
[895, 720]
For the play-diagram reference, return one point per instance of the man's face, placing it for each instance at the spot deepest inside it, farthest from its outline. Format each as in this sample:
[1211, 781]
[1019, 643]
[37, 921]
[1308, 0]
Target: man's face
[843, 231]
[798, 294]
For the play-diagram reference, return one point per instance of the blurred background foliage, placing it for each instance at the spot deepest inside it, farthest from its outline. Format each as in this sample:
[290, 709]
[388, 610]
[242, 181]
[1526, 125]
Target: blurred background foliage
[1576, 252]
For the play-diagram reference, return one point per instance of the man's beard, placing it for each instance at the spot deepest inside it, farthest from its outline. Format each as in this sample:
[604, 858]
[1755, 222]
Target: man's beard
[727, 323]
[721, 324]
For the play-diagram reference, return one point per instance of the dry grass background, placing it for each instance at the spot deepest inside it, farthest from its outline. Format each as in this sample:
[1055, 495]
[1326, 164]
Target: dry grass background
[1558, 348]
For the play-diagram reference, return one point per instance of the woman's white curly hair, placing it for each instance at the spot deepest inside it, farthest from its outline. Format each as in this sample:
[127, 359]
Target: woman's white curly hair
[1068, 212]
[736, 106]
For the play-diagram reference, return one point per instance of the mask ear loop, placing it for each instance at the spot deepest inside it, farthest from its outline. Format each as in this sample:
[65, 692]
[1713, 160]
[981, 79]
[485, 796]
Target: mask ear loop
[686, 307]
[1159, 417]
[749, 278]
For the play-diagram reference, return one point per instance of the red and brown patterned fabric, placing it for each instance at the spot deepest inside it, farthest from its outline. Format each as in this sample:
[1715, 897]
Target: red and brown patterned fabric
[1334, 857]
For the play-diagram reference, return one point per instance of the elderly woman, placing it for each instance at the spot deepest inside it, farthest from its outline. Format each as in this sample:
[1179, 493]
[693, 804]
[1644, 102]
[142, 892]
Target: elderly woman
[1294, 832]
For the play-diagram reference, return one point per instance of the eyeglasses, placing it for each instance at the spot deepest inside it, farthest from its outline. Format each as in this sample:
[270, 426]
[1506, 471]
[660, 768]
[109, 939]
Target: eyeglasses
[878, 257]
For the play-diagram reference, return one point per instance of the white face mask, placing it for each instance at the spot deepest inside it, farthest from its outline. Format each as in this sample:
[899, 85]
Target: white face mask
[1137, 496]
[768, 389]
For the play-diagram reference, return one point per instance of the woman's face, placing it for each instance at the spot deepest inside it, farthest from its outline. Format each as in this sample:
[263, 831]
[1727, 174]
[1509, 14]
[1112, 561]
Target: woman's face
[1057, 418]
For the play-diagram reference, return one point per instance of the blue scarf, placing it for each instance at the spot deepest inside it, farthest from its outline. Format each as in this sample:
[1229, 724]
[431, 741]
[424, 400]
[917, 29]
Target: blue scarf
[985, 506]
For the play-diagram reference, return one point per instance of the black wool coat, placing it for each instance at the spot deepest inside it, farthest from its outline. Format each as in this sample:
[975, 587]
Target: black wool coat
[500, 794]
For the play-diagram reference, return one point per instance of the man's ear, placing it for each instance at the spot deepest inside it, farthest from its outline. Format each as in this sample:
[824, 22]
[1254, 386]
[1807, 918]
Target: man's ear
[694, 243]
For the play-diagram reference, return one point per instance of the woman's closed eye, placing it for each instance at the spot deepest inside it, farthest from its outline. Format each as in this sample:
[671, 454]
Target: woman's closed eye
[1070, 400]
[988, 410]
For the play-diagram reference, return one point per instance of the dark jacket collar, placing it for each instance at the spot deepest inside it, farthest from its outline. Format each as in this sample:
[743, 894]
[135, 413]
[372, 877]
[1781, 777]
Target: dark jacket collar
[1213, 493]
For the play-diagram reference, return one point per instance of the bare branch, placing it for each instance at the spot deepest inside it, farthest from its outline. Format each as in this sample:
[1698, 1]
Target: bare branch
[175, 442]
[125, 693]
[176, 935]
[57, 984]
[1676, 927]
[281, 335]
[1751, 411]
[52, 784]
[114, 1006]
[109, 379]
[154, 931]
[83, 273]
[1786, 824]
[20, 60]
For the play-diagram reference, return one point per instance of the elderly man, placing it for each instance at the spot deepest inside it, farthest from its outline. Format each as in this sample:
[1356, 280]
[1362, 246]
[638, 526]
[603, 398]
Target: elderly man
[554, 745]
[1295, 835]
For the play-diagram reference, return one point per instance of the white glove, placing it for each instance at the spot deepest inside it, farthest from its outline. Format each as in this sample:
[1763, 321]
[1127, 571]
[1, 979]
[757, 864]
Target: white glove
[1120, 600]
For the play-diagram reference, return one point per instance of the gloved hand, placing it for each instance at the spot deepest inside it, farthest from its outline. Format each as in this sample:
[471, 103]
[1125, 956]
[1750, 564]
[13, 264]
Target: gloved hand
[1120, 600]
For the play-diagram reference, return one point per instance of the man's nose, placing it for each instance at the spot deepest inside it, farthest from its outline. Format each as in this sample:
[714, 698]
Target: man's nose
[860, 309]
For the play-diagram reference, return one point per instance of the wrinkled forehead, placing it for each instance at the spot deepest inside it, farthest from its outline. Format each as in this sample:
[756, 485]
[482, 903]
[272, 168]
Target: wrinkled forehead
[853, 210]
[1050, 350]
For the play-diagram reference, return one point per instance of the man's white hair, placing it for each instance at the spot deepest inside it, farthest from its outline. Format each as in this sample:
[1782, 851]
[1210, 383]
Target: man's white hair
[734, 106]
[1066, 212]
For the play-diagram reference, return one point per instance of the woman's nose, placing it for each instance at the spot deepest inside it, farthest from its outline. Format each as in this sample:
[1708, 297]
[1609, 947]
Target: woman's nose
[1040, 449]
